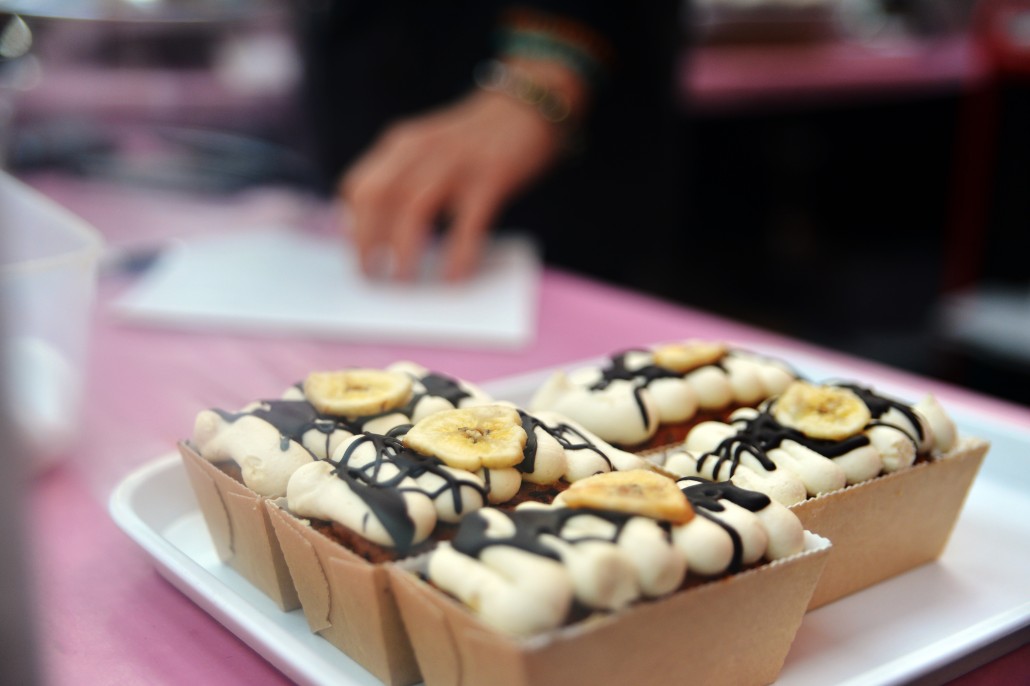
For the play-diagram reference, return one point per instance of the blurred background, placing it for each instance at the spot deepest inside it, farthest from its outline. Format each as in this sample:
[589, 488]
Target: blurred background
[860, 167]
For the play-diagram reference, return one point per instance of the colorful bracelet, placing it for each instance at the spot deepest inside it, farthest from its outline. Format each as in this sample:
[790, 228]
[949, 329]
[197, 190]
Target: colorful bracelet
[534, 44]
[498, 77]
[531, 33]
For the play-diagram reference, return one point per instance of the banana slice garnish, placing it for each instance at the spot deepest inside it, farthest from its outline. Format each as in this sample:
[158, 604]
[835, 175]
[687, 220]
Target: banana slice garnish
[357, 392]
[469, 438]
[636, 491]
[688, 355]
[822, 412]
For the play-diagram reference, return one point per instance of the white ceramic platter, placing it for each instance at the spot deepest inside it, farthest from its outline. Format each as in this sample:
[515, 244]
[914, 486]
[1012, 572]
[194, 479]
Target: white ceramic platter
[933, 622]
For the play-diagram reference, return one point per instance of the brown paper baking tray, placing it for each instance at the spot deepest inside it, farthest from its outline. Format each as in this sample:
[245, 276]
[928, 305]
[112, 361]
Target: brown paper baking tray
[240, 529]
[734, 631]
[890, 524]
[346, 600]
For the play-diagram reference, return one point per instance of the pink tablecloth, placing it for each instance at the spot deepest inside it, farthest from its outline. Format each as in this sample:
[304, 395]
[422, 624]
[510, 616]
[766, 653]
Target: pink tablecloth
[105, 616]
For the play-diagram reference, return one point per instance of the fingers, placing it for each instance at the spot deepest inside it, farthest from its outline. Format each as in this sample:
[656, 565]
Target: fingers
[362, 194]
[393, 201]
[474, 214]
[431, 191]
[393, 197]
[465, 161]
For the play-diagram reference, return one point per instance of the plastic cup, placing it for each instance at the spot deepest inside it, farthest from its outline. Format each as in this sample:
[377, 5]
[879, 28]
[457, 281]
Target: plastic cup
[48, 273]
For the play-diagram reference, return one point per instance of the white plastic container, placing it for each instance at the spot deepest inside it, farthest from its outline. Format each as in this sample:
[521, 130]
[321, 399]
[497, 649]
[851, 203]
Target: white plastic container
[48, 272]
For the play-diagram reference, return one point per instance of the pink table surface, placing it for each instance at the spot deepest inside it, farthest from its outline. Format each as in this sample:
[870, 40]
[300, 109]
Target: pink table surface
[104, 614]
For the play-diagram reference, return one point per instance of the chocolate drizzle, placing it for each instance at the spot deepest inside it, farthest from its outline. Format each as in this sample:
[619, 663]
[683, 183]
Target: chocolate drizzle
[879, 405]
[617, 370]
[530, 525]
[754, 438]
[568, 437]
[384, 494]
[529, 424]
[440, 386]
[292, 419]
[641, 377]
[758, 435]
[705, 495]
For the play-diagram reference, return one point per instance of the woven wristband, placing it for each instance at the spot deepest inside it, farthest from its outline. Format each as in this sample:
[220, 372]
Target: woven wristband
[498, 77]
[532, 44]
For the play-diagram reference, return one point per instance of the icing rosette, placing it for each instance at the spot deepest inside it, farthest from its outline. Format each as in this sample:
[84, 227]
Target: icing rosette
[626, 399]
[270, 439]
[531, 569]
[814, 439]
[392, 489]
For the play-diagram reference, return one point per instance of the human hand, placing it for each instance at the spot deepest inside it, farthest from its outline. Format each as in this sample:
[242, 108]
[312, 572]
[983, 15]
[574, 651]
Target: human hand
[461, 164]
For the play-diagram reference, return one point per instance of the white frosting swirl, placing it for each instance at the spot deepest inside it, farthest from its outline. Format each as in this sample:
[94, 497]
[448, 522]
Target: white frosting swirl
[620, 412]
[585, 454]
[753, 450]
[315, 491]
[562, 450]
[627, 400]
[512, 590]
[267, 451]
[254, 439]
[780, 485]
[942, 428]
[425, 402]
[521, 571]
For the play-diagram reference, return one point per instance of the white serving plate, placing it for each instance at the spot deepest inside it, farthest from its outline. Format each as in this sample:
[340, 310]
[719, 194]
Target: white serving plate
[936, 621]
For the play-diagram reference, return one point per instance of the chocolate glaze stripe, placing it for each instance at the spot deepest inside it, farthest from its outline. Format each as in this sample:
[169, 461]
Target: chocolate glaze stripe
[384, 496]
[569, 438]
[572, 439]
[642, 376]
[292, 419]
[440, 386]
[530, 525]
[530, 425]
[618, 371]
[472, 537]
[705, 495]
[390, 450]
[389, 507]
[737, 560]
[755, 437]
[879, 405]
[762, 433]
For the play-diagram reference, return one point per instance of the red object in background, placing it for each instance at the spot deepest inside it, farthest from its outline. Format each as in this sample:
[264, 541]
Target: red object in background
[1004, 30]
[1001, 31]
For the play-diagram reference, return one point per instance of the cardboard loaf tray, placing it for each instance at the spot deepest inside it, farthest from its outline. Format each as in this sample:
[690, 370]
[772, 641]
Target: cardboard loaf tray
[346, 599]
[891, 524]
[734, 631]
[240, 529]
